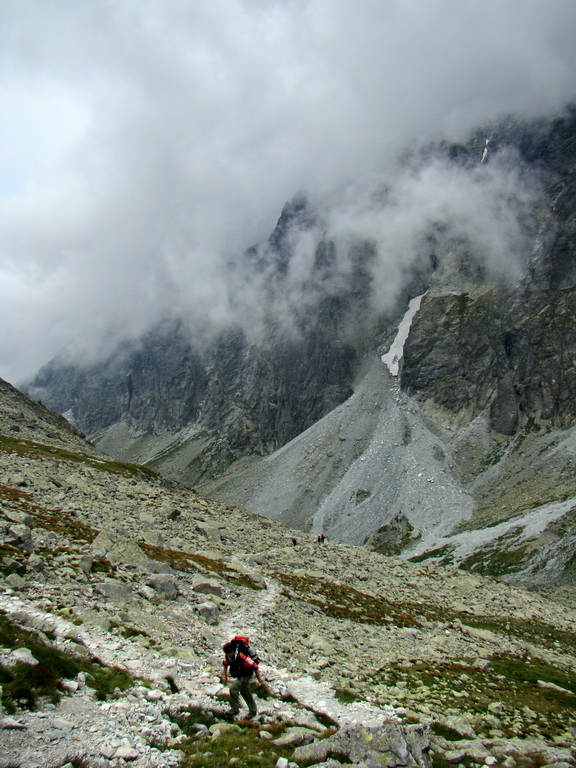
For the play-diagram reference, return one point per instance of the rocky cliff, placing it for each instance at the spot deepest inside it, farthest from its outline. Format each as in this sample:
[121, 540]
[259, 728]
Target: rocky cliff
[475, 430]
[118, 588]
[172, 394]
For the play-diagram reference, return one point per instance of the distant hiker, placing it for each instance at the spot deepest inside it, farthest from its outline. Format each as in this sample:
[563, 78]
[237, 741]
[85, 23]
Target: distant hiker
[241, 661]
[320, 538]
[294, 541]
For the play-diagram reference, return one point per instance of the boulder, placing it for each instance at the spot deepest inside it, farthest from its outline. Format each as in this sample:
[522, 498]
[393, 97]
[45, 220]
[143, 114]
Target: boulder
[155, 566]
[210, 612]
[206, 586]
[389, 744]
[116, 591]
[17, 517]
[164, 585]
[20, 537]
[210, 531]
[156, 538]
[86, 562]
[115, 547]
[147, 592]
[318, 643]
[35, 564]
[296, 737]
[15, 581]
[11, 724]
[24, 656]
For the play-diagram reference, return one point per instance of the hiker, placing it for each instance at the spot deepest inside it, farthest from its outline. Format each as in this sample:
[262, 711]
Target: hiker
[320, 538]
[242, 662]
[294, 541]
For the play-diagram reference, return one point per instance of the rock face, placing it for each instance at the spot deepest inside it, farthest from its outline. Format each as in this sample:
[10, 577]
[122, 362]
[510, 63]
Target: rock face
[239, 396]
[372, 747]
[476, 430]
[478, 346]
[474, 353]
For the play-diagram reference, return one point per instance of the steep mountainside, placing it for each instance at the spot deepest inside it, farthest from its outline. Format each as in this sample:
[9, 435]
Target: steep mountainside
[472, 461]
[476, 430]
[170, 394]
[117, 590]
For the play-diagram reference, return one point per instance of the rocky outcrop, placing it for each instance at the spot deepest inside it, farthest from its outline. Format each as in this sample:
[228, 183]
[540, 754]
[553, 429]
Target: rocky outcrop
[392, 538]
[239, 398]
[474, 346]
[372, 747]
[479, 346]
[455, 357]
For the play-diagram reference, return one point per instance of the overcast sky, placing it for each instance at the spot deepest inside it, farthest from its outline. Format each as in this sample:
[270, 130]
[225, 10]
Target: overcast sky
[143, 142]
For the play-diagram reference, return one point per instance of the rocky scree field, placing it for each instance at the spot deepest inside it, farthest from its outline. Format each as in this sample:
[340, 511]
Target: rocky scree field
[118, 588]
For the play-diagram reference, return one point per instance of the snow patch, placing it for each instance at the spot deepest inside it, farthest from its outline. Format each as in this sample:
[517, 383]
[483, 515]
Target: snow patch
[395, 353]
[529, 525]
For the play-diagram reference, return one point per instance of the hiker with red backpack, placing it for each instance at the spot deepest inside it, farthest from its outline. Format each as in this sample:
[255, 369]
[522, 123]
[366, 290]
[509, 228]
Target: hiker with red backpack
[241, 662]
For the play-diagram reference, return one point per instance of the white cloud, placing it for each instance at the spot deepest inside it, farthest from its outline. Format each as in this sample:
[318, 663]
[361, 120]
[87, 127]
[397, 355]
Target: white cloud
[144, 143]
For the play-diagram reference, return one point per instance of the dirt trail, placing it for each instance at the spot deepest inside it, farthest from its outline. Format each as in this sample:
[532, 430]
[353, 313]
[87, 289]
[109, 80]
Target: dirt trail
[249, 622]
[312, 695]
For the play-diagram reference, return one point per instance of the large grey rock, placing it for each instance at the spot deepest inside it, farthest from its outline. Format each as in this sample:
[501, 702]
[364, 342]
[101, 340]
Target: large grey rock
[156, 566]
[117, 547]
[210, 531]
[19, 536]
[296, 737]
[86, 562]
[154, 537]
[116, 591]
[17, 517]
[24, 656]
[390, 745]
[15, 581]
[209, 611]
[206, 586]
[164, 585]
[319, 643]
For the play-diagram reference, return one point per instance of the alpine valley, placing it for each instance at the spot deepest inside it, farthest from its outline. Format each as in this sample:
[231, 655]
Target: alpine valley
[413, 399]
[425, 410]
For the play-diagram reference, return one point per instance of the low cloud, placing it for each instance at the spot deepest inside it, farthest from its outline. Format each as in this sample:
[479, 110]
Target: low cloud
[145, 146]
[435, 204]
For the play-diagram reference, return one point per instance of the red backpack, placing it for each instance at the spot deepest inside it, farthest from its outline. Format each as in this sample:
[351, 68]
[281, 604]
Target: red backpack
[245, 658]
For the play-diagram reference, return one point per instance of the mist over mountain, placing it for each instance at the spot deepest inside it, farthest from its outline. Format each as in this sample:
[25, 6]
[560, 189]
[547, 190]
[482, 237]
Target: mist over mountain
[289, 411]
[283, 268]
[146, 147]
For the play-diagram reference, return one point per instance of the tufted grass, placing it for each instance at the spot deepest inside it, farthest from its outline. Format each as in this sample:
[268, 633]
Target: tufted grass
[515, 682]
[53, 520]
[24, 685]
[33, 450]
[341, 601]
[239, 742]
[187, 561]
